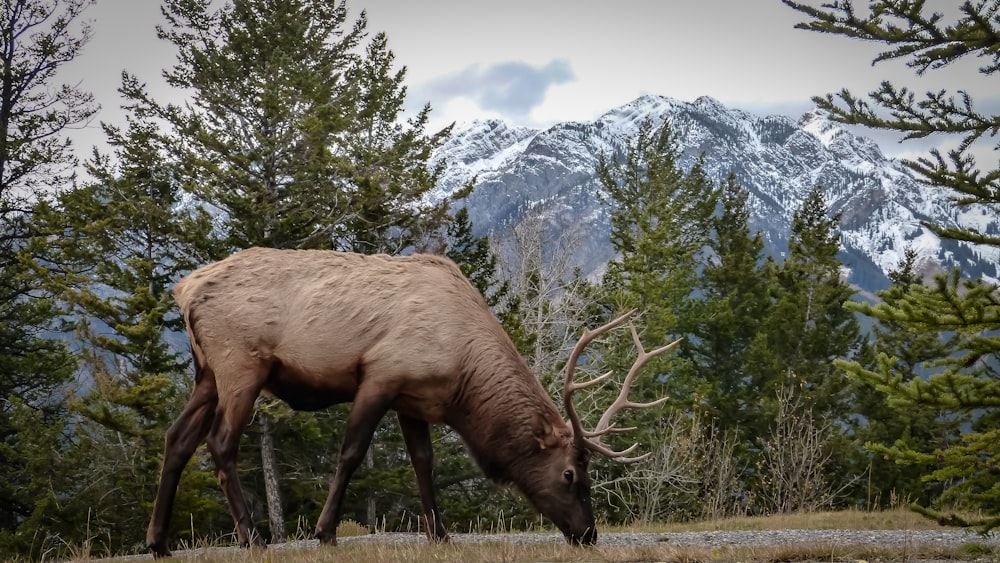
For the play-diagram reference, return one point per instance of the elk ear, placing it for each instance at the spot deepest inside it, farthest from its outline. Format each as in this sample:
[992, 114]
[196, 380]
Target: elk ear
[547, 435]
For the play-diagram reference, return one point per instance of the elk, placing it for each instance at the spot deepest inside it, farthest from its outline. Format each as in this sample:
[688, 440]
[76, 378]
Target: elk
[406, 333]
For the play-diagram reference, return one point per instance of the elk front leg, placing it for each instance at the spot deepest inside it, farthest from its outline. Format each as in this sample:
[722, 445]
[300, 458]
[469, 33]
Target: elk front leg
[417, 436]
[182, 439]
[368, 410]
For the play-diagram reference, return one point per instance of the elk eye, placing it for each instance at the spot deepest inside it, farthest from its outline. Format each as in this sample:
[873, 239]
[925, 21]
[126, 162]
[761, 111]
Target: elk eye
[568, 475]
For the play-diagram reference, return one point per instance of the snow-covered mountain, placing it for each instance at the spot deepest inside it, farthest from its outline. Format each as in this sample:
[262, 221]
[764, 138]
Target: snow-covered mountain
[550, 173]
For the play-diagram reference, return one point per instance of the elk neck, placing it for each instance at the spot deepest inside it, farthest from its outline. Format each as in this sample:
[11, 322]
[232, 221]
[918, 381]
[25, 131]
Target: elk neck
[501, 411]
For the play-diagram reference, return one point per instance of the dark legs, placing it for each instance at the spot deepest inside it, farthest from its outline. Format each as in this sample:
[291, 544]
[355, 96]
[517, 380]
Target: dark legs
[417, 435]
[221, 415]
[223, 442]
[182, 439]
[368, 410]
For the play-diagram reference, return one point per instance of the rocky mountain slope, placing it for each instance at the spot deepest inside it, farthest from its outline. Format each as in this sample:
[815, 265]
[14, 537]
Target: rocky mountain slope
[549, 174]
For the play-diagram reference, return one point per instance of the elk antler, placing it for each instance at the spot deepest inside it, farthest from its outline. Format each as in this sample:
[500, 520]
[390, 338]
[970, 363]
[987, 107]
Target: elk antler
[604, 426]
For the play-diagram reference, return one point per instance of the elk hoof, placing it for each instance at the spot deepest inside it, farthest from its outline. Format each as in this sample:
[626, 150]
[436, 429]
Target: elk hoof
[159, 550]
[256, 543]
[327, 539]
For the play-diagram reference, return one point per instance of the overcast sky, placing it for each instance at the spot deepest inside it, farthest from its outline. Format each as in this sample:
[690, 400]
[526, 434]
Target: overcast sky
[538, 62]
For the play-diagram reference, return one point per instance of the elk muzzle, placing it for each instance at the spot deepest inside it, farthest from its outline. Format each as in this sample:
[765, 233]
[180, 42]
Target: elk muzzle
[578, 527]
[587, 537]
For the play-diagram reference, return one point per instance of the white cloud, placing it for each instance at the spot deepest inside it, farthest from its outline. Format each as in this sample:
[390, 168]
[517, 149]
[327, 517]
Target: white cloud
[511, 88]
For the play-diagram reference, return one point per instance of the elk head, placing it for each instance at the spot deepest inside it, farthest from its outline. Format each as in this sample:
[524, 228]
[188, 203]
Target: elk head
[568, 502]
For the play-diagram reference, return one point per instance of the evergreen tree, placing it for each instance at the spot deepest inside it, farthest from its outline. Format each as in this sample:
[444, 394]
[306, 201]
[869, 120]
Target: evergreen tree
[292, 133]
[37, 37]
[737, 285]
[389, 174]
[660, 229]
[480, 265]
[791, 365]
[964, 381]
[884, 420]
[260, 144]
[809, 327]
[130, 238]
[292, 136]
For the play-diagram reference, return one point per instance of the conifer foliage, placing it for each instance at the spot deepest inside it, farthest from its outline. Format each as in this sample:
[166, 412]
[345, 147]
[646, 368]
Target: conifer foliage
[753, 388]
[293, 131]
[293, 137]
[965, 380]
[808, 326]
[128, 239]
[660, 227]
[737, 285]
[37, 38]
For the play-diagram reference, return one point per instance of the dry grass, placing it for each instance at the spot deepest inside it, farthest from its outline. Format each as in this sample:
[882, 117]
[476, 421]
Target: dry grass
[419, 551]
[897, 519]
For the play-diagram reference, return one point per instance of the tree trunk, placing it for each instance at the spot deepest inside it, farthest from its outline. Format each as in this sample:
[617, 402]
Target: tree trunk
[269, 464]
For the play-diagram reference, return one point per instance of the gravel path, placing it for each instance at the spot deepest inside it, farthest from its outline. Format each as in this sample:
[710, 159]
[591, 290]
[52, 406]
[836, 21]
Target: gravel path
[943, 537]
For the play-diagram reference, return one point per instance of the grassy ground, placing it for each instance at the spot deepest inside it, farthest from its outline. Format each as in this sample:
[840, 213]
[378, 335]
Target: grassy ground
[419, 551]
[505, 552]
[898, 519]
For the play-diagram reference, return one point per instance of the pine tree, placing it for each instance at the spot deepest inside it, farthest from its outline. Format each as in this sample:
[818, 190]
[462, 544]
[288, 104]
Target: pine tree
[964, 381]
[293, 134]
[884, 420]
[37, 37]
[388, 163]
[737, 285]
[792, 371]
[259, 139]
[480, 264]
[476, 259]
[293, 137]
[660, 228]
[809, 327]
[128, 235]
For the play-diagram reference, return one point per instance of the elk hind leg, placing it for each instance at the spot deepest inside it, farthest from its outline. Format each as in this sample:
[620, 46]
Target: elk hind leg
[181, 441]
[417, 436]
[231, 418]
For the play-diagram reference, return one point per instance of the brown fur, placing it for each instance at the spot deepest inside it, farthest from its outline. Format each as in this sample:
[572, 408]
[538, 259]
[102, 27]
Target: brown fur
[409, 334]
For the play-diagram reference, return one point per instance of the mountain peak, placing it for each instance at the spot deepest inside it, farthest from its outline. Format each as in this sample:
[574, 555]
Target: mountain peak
[818, 122]
[551, 174]
[708, 102]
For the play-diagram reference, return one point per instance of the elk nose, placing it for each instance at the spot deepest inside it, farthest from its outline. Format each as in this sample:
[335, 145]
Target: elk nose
[589, 537]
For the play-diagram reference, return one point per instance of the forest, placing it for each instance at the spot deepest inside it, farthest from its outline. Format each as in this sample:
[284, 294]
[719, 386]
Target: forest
[290, 133]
